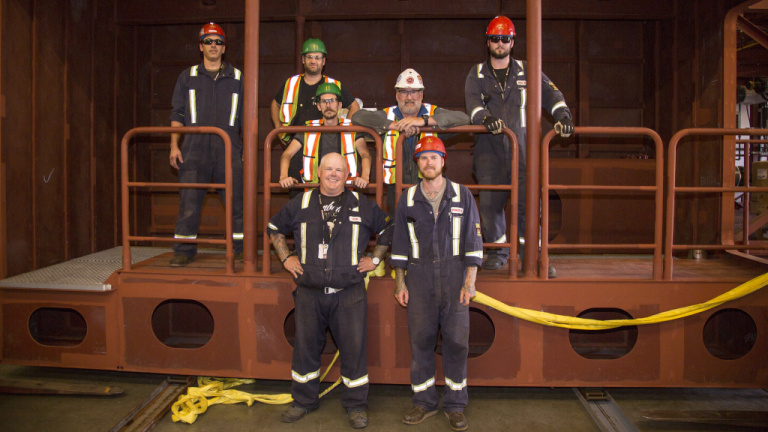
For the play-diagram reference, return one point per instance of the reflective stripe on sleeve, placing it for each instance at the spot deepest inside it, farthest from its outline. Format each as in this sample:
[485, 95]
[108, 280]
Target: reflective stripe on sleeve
[304, 378]
[456, 235]
[303, 242]
[355, 383]
[355, 236]
[414, 241]
[233, 114]
[502, 239]
[399, 257]
[476, 254]
[179, 236]
[237, 236]
[474, 111]
[193, 105]
[455, 386]
[558, 105]
[272, 226]
[421, 387]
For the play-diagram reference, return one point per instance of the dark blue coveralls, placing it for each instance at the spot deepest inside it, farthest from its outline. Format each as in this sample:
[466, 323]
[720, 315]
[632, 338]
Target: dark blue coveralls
[198, 100]
[483, 97]
[436, 255]
[317, 306]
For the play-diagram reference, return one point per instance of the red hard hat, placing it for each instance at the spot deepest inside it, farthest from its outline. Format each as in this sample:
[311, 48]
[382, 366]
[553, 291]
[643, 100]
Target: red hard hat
[427, 144]
[501, 26]
[212, 28]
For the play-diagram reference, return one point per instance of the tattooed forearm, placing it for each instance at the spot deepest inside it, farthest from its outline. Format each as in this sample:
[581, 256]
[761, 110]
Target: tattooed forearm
[281, 247]
[399, 280]
[469, 280]
[379, 251]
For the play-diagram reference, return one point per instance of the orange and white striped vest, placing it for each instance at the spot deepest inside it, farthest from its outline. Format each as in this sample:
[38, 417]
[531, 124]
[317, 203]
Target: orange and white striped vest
[390, 143]
[288, 107]
[312, 151]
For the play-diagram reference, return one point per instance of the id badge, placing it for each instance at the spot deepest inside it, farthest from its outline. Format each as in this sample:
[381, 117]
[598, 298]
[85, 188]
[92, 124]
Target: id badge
[322, 251]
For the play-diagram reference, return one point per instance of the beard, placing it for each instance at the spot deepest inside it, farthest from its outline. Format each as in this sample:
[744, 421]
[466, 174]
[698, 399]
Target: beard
[504, 54]
[329, 114]
[431, 175]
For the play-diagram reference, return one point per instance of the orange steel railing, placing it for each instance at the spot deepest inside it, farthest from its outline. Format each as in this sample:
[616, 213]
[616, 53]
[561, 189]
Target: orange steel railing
[658, 189]
[672, 189]
[512, 225]
[268, 185]
[125, 184]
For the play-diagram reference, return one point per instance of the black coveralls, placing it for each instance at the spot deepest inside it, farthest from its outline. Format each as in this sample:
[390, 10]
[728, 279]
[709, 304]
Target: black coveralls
[344, 311]
[492, 154]
[436, 255]
[198, 100]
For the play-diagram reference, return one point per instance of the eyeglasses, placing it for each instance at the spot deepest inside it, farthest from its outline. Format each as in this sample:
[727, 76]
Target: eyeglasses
[408, 92]
[213, 42]
[313, 57]
[328, 101]
[502, 39]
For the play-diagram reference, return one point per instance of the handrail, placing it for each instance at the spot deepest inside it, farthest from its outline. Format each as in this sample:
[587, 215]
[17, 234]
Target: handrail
[268, 185]
[669, 247]
[658, 188]
[125, 184]
[512, 225]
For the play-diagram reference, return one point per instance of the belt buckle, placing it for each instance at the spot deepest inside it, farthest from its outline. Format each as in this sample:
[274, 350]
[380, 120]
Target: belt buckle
[329, 290]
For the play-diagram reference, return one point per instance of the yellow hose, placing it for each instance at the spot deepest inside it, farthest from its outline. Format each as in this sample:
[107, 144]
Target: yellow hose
[212, 391]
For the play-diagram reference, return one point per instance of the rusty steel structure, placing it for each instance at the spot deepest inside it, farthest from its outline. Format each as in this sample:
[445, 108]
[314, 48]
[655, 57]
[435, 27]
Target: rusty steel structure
[218, 317]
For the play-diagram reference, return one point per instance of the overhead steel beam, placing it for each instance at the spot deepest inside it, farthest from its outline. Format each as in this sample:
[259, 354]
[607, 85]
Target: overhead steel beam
[752, 31]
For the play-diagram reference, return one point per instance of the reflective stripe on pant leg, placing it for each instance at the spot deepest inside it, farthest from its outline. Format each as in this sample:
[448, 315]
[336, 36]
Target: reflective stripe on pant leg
[455, 386]
[423, 386]
[304, 378]
[355, 383]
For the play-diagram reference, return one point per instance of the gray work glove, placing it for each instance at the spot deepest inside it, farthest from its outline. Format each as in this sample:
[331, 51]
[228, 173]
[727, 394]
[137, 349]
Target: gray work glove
[493, 124]
[564, 127]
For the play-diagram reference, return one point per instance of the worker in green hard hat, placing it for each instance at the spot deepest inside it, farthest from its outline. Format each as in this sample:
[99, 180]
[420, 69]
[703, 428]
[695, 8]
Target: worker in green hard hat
[312, 145]
[294, 103]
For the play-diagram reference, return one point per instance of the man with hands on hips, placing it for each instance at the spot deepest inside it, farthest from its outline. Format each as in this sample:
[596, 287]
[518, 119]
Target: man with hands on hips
[331, 227]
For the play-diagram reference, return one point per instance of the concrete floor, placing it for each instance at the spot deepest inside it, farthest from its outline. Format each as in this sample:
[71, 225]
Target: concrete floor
[490, 408]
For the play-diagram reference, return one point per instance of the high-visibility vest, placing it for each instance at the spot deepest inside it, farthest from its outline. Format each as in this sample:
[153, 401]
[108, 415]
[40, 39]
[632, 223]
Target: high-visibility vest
[390, 143]
[291, 98]
[312, 150]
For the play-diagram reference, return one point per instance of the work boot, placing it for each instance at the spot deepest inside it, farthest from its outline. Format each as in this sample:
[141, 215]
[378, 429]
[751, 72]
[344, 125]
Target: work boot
[180, 260]
[457, 421]
[294, 414]
[358, 419]
[416, 415]
[552, 273]
[493, 263]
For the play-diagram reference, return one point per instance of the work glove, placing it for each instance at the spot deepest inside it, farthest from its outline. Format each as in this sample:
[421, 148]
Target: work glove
[564, 127]
[493, 125]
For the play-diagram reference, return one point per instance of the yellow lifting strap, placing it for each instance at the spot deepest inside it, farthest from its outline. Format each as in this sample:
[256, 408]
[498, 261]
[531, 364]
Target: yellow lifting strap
[575, 323]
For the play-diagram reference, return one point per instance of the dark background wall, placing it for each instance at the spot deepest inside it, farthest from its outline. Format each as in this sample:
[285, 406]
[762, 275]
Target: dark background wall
[75, 75]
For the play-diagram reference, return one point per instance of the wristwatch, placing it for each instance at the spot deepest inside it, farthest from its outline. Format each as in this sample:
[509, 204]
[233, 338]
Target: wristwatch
[426, 119]
[376, 260]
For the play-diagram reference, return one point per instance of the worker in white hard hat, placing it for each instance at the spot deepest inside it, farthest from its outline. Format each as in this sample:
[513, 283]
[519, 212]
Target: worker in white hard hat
[406, 117]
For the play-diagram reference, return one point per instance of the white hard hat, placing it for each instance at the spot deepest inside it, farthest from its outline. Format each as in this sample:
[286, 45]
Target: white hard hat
[409, 79]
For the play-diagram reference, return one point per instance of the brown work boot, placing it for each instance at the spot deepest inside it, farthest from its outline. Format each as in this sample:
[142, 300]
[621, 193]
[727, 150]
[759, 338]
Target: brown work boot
[457, 420]
[416, 415]
[294, 414]
[358, 419]
[180, 260]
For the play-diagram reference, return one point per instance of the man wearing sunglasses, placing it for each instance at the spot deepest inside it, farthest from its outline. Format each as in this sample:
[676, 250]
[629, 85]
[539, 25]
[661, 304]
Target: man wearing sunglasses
[406, 117]
[495, 95]
[294, 103]
[209, 94]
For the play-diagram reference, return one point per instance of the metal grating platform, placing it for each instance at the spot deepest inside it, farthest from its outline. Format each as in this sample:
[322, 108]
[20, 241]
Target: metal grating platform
[86, 273]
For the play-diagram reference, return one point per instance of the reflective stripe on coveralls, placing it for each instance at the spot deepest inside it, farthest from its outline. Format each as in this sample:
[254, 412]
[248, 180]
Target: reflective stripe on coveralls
[390, 143]
[312, 150]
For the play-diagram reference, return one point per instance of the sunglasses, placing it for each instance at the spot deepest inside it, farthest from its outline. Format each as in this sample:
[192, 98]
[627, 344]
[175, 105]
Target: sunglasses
[502, 39]
[213, 42]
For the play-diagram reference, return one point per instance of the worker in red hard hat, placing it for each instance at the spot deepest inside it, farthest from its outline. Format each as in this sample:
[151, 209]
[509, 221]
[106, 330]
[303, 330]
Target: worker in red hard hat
[438, 241]
[495, 93]
[208, 94]
[295, 105]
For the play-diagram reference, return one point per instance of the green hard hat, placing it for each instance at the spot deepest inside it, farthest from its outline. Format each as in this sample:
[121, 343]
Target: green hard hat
[326, 88]
[313, 45]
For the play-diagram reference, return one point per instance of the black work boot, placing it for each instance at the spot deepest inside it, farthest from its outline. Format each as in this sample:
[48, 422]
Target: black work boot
[457, 421]
[294, 414]
[416, 415]
[180, 260]
[493, 263]
[358, 419]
